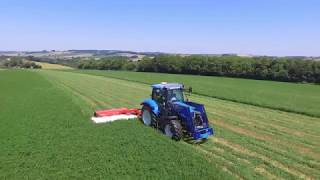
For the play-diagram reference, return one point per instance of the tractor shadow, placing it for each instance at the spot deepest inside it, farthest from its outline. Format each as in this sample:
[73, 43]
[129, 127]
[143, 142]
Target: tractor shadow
[192, 141]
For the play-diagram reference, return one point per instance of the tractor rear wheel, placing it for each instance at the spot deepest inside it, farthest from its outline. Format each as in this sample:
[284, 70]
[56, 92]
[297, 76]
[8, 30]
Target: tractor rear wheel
[147, 116]
[173, 129]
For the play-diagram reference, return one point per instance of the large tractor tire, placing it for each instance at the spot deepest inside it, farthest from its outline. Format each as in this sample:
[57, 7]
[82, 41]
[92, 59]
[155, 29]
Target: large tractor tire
[147, 117]
[173, 129]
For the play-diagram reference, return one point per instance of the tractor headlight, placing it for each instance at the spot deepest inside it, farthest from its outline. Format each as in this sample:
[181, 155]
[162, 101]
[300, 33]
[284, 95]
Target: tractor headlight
[197, 119]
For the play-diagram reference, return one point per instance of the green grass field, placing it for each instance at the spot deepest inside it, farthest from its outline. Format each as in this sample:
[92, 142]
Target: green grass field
[291, 97]
[46, 133]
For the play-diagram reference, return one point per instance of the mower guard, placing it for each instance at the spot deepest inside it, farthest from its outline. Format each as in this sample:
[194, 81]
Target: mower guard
[203, 133]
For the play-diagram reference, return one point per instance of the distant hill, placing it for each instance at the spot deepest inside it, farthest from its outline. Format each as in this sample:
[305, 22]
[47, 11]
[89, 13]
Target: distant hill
[69, 54]
[133, 55]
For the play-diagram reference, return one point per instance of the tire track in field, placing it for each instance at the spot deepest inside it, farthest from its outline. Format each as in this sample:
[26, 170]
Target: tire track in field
[305, 142]
[90, 101]
[225, 167]
[104, 90]
[212, 157]
[235, 158]
[261, 169]
[240, 149]
[301, 147]
[100, 92]
[310, 168]
[264, 137]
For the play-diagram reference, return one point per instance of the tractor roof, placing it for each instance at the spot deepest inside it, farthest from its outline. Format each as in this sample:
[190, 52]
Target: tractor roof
[168, 86]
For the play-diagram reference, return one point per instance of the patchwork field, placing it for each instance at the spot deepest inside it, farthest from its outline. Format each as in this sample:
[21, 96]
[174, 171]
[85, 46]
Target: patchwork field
[45, 65]
[290, 97]
[46, 133]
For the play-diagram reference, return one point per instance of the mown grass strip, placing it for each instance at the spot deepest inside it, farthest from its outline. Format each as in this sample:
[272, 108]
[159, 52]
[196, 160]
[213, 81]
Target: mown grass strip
[246, 165]
[240, 165]
[286, 160]
[262, 126]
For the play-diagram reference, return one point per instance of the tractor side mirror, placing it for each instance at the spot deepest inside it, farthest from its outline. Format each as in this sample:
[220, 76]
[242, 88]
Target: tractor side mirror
[188, 92]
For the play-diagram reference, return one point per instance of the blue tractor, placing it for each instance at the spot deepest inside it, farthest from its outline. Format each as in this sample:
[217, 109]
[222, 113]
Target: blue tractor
[175, 116]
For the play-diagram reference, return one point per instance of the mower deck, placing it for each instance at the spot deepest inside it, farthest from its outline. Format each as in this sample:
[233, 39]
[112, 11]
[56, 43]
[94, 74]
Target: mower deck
[110, 115]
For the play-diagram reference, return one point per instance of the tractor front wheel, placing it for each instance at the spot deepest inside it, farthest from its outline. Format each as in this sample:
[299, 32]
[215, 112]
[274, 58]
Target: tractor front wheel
[147, 116]
[173, 129]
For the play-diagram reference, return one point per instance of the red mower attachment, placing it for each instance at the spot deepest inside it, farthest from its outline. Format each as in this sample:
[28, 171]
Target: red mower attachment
[110, 115]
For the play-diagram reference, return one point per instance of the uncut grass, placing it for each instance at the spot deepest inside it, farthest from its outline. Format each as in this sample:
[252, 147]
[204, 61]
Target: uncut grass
[275, 150]
[46, 134]
[292, 97]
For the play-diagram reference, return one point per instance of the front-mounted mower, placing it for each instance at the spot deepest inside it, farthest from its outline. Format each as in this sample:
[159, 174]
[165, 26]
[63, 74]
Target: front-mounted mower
[169, 111]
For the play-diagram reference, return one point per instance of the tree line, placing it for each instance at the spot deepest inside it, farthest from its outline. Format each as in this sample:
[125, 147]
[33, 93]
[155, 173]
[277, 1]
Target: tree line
[267, 68]
[109, 63]
[18, 62]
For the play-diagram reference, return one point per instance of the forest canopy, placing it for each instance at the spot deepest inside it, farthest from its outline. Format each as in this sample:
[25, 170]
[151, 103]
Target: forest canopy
[267, 68]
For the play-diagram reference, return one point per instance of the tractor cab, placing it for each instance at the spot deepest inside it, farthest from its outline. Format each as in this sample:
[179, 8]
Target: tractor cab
[164, 92]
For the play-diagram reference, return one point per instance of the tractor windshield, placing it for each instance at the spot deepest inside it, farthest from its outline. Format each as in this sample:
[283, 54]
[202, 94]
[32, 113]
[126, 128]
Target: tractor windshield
[175, 95]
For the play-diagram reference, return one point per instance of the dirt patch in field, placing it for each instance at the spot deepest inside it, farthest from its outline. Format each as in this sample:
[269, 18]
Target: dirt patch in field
[238, 148]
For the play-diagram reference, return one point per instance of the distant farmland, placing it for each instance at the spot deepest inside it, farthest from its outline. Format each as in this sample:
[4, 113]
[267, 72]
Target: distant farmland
[52, 137]
[45, 65]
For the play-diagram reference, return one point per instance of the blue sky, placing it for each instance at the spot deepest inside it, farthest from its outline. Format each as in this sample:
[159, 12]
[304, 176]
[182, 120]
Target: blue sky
[264, 27]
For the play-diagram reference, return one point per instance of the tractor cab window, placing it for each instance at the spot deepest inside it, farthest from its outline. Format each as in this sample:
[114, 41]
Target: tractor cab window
[157, 95]
[175, 95]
